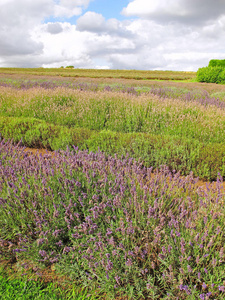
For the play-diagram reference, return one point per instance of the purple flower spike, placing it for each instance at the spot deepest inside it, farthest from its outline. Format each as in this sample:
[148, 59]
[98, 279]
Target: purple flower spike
[221, 288]
[204, 286]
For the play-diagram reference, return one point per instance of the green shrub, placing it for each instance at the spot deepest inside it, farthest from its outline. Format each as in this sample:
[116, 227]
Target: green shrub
[221, 77]
[210, 74]
[211, 161]
[217, 63]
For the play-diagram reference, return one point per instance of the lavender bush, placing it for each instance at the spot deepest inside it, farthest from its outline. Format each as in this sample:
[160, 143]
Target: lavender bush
[112, 224]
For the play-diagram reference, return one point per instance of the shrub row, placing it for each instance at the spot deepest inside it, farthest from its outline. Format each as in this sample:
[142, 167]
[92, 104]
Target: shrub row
[177, 153]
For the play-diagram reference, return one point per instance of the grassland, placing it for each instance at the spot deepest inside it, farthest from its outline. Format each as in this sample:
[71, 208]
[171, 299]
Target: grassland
[110, 210]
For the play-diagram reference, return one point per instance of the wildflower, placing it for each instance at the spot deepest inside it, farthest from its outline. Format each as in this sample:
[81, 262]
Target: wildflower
[189, 269]
[129, 262]
[148, 286]
[221, 288]
[204, 286]
[117, 279]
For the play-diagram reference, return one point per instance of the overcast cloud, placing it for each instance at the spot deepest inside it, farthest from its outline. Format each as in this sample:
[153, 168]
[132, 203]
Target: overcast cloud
[149, 34]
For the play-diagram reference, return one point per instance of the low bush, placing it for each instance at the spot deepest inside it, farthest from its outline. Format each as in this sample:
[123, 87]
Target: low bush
[210, 74]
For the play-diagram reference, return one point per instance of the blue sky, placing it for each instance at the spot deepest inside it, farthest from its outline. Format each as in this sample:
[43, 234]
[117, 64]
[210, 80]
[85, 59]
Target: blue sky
[121, 34]
[109, 9]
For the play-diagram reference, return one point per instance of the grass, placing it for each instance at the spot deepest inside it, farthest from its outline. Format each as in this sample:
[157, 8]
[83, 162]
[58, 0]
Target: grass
[18, 286]
[25, 289]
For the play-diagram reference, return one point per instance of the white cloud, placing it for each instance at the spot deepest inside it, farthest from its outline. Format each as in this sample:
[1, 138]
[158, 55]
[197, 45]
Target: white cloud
[166, 34]
[184, 11]
[70, 8]
[67, 49]
[91, 21]
[54, 28]
[19, 18]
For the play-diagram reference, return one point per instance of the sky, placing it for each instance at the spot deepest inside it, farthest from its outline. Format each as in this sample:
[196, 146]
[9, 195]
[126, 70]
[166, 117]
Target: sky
[179, 35]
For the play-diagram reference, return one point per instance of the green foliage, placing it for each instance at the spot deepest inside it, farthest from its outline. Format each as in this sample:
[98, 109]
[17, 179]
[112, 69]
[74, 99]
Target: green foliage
[25, 287]
[211, 161]
[214, 73]
[221, 76]
[39, 134]
[217, 63]
[211, 74]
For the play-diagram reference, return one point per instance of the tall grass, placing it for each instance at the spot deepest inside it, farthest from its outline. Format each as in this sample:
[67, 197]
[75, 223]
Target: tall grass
[116, 111]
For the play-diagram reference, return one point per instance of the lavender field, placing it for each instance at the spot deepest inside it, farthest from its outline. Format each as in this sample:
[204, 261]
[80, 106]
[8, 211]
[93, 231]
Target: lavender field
[112, 225]
[117, 207]
[179, 125]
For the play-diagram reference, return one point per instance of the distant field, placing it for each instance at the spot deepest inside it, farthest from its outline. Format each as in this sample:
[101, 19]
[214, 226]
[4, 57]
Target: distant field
[95, 73]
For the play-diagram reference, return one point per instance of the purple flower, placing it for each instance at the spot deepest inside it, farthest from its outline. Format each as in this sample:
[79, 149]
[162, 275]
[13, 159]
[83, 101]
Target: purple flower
[117, 279]
[189, 269]
[107, 275]
[170, 248]
[148, 286]
[109, 231]
[129, 262]
[204, 286]
[109, 265]
[221, 288]
[214, 260]
[43, 253]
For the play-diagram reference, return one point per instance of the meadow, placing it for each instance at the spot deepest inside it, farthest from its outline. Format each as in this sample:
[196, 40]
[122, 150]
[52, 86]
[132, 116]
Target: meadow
[116, 208]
